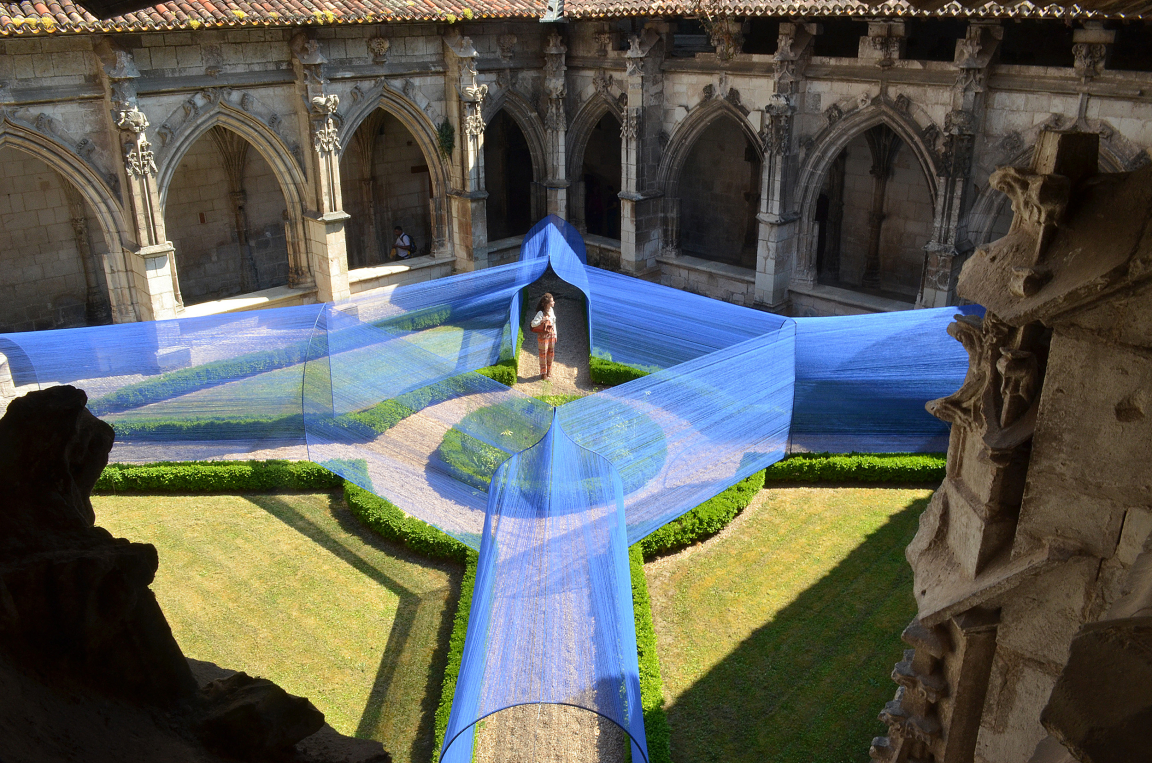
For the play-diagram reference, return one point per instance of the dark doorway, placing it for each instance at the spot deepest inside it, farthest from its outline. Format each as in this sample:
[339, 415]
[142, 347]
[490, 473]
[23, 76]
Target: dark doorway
[508, 176]
[602, 178]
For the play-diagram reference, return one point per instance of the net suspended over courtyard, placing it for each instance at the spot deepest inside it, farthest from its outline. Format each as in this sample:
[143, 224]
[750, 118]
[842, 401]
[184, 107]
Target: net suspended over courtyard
[383, 390]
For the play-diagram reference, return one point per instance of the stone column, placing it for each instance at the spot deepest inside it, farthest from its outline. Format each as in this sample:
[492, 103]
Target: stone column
[324, 244]
[944, 254]
[149, 256]
[776, 245]
[640, 202]
[556, 123]
[883, 144]
[467, 198]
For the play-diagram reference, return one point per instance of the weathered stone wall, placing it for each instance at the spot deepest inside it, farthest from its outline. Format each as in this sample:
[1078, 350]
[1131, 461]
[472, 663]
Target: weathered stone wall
[201, 222]
[957, 120]
[41, 271]
[719, 187]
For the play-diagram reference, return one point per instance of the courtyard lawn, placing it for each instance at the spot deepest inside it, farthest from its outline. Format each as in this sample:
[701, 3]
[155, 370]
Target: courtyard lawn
[777, 637]
[291, 588]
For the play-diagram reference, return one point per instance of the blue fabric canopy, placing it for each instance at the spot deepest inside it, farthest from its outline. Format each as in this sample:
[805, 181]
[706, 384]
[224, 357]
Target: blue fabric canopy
[381, 389]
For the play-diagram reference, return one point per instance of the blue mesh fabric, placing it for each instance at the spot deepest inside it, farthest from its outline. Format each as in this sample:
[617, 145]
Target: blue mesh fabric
[381, 390]
[551, 618]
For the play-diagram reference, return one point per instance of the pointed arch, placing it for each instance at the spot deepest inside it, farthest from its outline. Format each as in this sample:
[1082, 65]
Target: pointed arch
[580, 130]
[828, 144]
[96, 192]
[689, 131]
[270, 146]
[529, 123]
[415, 121]
[100, 198]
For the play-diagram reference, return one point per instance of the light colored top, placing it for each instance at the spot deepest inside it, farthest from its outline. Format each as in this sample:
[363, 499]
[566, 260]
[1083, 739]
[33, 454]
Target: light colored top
[540, 318]
[403, 246]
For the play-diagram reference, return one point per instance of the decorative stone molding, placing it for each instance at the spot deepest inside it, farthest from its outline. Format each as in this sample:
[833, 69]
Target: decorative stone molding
[192, 111]
[379, 48]
[884, 43]
[776, 130]
[1090, 49]
[324, 131]
[506, 47]
[603, 42]
[630, 125]
[726, 36]
[138, 157]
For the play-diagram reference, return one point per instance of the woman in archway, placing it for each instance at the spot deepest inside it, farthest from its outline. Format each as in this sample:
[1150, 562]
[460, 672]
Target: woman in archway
[544, 326]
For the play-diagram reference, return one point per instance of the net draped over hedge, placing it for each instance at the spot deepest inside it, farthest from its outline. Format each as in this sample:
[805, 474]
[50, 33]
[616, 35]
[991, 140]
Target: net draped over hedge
[370, 387]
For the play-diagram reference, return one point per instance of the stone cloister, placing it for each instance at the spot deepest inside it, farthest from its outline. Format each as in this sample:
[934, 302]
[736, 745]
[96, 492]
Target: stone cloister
[809, 166]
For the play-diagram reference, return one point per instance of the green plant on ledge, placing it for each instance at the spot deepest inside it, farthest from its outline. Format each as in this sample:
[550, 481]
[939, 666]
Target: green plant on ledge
[446, 137]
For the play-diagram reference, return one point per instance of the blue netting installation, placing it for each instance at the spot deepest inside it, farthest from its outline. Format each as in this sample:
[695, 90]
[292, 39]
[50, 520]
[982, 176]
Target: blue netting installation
[383, 390]
[551, 618]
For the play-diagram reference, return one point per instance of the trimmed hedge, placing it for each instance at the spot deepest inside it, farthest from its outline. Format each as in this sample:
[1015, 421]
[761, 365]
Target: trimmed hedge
[185, 380]
[215, 477]
[263, 428]
[656, 727]
[704, 521]
[859, 467]
[504, 372]
[609, 373]
[392, 523]
[456, 648]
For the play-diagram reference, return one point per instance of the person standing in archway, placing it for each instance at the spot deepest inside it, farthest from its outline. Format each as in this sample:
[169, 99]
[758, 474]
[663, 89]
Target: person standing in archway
[402, 246]
[544, 326]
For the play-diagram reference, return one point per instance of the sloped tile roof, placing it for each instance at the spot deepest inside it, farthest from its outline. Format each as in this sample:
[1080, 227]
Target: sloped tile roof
[31, 18]
[585, 9]
[63, 16]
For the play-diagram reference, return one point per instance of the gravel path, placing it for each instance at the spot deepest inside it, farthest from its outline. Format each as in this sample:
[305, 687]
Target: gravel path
[570, 369]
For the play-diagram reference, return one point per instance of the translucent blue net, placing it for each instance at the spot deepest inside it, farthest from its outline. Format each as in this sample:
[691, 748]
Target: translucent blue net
[385, 391]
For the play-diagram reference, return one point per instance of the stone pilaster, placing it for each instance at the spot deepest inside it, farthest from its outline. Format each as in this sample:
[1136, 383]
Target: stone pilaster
[944, 253]
[640, 202]
[556, 124]
[148, 254]
[324, 245]
[467, 199]
[777, 228]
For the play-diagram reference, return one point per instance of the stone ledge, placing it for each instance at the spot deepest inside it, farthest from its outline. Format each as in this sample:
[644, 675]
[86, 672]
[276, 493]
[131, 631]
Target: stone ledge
[395, 268]
[721, 269]
[277, 296]
[854, 299]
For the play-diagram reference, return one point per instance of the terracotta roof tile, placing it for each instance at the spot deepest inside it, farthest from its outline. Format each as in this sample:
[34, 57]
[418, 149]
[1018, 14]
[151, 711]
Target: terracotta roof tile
[65, 16]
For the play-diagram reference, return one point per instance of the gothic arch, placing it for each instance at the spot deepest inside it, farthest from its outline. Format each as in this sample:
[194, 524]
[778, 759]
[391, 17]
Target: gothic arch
[529, 123]
[828, 144]
[591, 112]
[270, 146]
[415, 121]
[689, 131]
[96, 193]
[95, 190]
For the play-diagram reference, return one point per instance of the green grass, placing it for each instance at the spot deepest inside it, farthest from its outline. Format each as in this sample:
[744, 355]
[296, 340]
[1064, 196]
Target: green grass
[776, 639]
[290, 587]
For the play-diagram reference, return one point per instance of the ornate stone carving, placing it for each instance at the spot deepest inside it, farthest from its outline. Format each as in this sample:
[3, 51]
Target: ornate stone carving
[725, 35]
[603, 83]
[630, 126]
[308, 60]
[506, 47]
[324, 131]
[474, 124]
[634, 56]
[602, 41]
[379, 47]
[1039, 202]
[138, 157]
[776, 133]
[903, 104]
[833, 114]
[555, 119]
[1088, 59]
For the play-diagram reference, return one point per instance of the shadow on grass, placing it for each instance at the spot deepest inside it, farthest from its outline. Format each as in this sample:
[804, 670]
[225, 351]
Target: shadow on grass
[807, 687]
[406, 614]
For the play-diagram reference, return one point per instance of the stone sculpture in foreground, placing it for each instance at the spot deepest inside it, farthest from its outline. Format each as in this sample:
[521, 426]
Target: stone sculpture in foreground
[1033, 562]
[87, 660]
